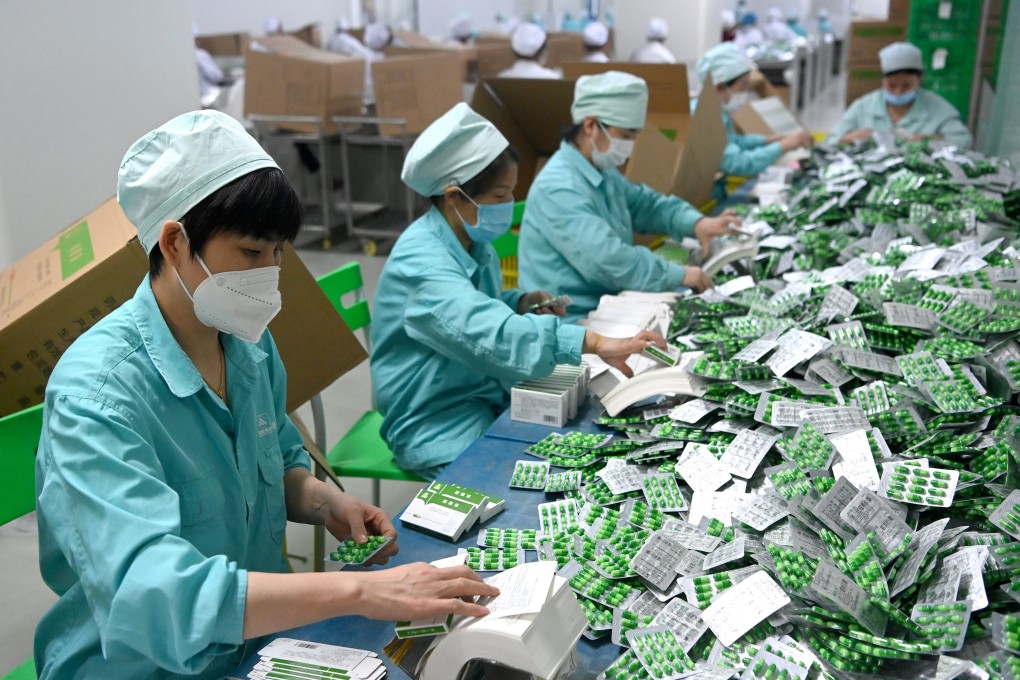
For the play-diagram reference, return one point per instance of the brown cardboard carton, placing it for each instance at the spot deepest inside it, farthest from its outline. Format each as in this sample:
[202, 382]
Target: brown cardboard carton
[862, 79]
[767, 116]
[224, 44]
[868, 37]
[535, 131]
[417, 88]
[493, 55]
[465, 54]
[702, 150]
[669, 107]
[53, 294]
[308, 34]
[899, 11]
[298, 80]
[563, 47]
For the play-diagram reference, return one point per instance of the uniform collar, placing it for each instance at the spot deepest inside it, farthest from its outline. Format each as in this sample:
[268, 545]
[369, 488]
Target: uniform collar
[576, 159]
[469, 261]
[169, 358]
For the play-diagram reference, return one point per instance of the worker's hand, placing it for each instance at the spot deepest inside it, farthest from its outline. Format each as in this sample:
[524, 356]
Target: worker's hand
[707, 228]
[539, 297]
[420, 591]
[350, 517]
[614, 351]
[921, 137]
[797, 140]
[855, 136]
[697, 280]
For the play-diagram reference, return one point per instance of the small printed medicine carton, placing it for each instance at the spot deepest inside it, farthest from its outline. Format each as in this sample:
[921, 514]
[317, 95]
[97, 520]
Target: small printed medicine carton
[447, 510]
[437, 625]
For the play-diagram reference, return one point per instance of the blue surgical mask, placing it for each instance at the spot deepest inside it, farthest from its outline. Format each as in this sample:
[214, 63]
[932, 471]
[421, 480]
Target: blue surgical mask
[899, 99]
[494, 220]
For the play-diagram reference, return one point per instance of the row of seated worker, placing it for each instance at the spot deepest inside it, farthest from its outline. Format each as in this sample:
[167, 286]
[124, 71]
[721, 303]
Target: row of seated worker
[168, 465]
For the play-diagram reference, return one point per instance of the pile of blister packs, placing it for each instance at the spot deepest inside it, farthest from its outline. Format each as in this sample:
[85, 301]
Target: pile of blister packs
[838, 497]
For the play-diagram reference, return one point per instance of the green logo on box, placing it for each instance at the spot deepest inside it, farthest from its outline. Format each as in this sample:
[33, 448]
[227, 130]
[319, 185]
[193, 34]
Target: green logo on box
[75, 250]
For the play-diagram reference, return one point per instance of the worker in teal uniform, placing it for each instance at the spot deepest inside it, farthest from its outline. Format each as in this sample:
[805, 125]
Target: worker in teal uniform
[447, 342]
[577, 236]
[901, 105]
[168, 467]
[745, 154]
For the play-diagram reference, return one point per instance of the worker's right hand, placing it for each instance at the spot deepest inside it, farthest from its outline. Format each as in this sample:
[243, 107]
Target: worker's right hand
[697, 280]
[419, 591]
[796, 140]
[855, 136]
[614, 351]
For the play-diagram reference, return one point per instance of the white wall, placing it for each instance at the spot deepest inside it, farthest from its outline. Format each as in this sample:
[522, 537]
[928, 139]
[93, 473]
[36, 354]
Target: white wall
[694, 25]
[89, 79]
[435, 16]
[235, 16]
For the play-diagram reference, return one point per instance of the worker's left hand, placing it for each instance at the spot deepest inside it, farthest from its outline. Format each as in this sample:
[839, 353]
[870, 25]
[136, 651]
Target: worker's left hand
[350, 517]
[538, 297]
[707, 228]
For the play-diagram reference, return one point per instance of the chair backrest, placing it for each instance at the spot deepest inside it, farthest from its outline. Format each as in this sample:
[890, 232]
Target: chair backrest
[19, 439]
[340, 282]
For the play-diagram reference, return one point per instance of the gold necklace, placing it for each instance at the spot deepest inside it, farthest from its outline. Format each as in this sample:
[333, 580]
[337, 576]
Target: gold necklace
[221, 390]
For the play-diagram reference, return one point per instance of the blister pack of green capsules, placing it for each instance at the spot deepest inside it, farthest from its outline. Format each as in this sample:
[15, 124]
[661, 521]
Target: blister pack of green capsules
[507, 538]
[586, 581]
[563, 481]
[659, 652]
[530, 475]
[351, 552]
[892, 275]
[492, 559]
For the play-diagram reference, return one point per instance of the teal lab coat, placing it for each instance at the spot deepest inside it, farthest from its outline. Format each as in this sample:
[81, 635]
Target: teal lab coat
[447, 343]
[930, 114]
[155, 499]
[746, 155]
[577, 236]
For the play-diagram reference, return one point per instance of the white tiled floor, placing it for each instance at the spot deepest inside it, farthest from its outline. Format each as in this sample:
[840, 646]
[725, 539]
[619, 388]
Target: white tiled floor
[23, 596]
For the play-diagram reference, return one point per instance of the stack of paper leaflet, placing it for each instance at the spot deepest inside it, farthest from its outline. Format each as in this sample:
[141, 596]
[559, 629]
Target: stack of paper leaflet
[446, 510]
[533, 626]
[841, 498]
[289, 659]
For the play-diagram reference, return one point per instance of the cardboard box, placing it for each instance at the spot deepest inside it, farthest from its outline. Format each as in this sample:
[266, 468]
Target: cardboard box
[224, 44]
[418, 89]
[308, 34]
[492, 56]
[466, 54]
[563, 47]
[535, 131]
[861, 80]
[768, 116]
[899, 11]
[868, 37]
[702, 150]
[53, 294]
[669, 107]
[298, 80]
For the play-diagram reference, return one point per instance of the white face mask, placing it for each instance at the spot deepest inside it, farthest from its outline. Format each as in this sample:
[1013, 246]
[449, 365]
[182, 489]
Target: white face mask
[617, 154]
[737, 101]
[241, 303]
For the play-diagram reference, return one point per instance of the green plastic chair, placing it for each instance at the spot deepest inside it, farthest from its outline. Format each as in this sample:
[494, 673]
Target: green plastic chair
[360, 453]
[506, 248]
[19, 433]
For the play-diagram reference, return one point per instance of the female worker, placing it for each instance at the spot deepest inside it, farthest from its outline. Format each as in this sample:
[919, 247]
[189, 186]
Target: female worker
[168, 468]
[744, 155]
[901, 105]
[578, 229]
[446, 341]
